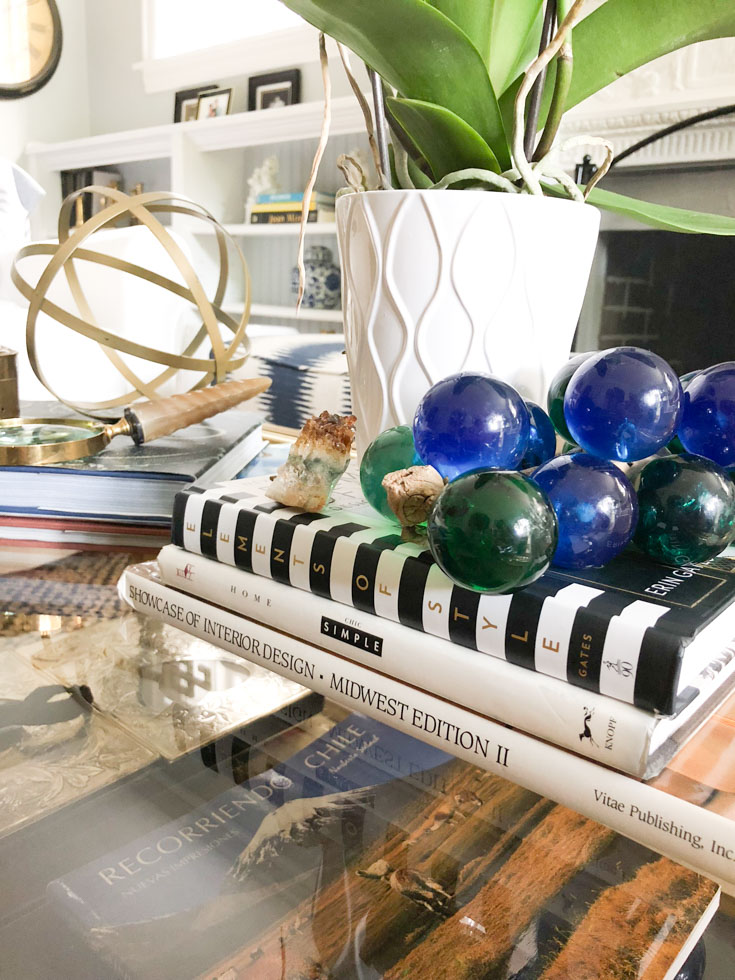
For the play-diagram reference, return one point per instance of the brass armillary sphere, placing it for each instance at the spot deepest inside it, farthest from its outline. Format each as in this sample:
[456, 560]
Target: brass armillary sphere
[144, 208]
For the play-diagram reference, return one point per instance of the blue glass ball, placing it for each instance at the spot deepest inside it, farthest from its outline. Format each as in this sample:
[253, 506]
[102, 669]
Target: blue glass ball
[708, 421]
[623, 403]
[542, 439]
[595, 506]
[469, 421]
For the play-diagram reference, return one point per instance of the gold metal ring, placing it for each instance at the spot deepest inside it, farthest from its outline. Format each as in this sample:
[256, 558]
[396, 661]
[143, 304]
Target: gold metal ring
[143, 207]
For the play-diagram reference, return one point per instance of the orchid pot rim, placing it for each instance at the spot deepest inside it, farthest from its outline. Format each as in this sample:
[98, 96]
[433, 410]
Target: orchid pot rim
[514, 200]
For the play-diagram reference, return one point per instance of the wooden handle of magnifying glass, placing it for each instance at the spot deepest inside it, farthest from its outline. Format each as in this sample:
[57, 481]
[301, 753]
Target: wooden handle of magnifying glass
[151, 420]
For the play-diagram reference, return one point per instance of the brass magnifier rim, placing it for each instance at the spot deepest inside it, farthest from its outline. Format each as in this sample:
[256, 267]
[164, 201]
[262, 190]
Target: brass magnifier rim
[60, 452]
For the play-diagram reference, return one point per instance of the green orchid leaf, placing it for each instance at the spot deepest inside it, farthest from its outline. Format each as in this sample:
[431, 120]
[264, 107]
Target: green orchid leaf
[418, 51]
[514, 38]
[505, 32]
[527, 54]
[623, 34]
[445, 140]
[474, 18]
[656, 215]
[418, 177]
[507, 104]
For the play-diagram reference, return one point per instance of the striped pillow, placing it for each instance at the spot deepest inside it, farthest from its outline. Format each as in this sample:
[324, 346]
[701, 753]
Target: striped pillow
[309, 374]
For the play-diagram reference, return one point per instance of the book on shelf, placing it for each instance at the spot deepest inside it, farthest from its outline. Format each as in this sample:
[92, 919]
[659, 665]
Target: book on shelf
[609, 731]
[367, 853]
[296, 197]
[288, 206]
[634, 631]
[130, 483]
[75, 180]
[676, 826]
[291, 217]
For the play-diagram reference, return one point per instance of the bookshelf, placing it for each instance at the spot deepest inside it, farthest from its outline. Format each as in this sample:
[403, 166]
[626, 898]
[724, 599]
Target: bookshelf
[274, 231]
[209, 161]
[274, 312]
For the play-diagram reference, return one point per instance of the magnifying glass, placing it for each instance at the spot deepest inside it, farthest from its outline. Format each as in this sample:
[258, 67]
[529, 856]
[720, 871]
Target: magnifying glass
[34, 441]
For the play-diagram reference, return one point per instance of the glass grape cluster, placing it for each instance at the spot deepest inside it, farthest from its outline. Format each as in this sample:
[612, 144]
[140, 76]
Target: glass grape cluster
[647, 460]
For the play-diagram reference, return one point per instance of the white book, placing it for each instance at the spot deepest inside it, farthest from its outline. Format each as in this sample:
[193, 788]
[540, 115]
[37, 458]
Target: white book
[604, 729]
[694, 836]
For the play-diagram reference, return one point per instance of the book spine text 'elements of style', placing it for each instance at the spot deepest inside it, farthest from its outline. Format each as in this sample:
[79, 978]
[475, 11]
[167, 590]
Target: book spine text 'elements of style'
[598, 639]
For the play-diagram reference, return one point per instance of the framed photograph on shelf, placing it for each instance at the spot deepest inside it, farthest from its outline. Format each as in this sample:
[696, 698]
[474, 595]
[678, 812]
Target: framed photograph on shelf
[276, 89]
[187, 101]
[213, 104]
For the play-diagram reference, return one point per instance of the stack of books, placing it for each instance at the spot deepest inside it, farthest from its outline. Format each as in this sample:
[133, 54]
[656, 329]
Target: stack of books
[583, 688]
[123, 496]
[279, 209]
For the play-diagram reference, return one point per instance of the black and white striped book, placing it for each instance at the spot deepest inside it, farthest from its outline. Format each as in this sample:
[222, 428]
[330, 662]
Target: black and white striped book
[634, 630]
[615, 734]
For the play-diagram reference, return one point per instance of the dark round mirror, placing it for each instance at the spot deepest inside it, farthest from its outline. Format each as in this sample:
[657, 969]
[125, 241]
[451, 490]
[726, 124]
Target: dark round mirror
[30, 45]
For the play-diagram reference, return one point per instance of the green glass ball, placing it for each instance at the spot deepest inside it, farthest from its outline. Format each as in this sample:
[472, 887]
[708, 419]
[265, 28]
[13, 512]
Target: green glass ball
[392, 450]
[686, 509]
[493, 531]
[557, 390]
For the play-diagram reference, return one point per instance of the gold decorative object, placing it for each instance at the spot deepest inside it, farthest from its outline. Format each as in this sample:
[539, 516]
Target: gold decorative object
[143, 209]
[28, 442]
[8, 384]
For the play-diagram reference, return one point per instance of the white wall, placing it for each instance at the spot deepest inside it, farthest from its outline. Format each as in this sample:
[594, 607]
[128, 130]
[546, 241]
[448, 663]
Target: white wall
[95, 89]
[117, 99]
[60, 110]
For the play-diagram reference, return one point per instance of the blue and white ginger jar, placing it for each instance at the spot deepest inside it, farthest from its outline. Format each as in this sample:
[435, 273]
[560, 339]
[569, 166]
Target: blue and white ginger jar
[322, 289]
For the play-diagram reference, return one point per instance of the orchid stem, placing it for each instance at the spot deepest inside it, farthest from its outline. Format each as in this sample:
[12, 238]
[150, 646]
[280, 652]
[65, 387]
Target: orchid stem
[534, 102]
[381, 125]
[562, 82]
[576, 12]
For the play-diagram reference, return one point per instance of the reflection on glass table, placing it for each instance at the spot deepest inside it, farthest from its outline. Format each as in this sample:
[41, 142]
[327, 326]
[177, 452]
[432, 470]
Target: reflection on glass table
[174, 814]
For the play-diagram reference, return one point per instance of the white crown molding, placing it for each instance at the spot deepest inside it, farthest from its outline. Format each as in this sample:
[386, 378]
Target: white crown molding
[670, 90]
[712, 141]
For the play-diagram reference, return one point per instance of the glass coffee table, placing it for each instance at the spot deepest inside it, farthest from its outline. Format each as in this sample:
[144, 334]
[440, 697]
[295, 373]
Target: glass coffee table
[168, 811]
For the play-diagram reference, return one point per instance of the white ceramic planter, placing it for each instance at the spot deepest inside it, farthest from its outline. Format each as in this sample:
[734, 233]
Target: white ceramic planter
[436, 282]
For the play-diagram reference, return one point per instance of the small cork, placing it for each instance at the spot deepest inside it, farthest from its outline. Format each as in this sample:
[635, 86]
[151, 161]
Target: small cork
[412, 493]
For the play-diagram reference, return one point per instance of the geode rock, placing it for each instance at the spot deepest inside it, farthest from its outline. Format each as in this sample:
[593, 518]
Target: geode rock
[315, 462]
